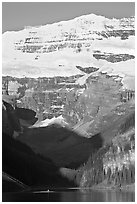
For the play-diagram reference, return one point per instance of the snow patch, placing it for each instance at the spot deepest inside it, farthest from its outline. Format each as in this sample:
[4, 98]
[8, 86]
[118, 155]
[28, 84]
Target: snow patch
[55, 120]
[124, 70]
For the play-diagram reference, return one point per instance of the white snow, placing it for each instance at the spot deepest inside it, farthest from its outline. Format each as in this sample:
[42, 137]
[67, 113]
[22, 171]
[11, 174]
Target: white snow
[82, 80]
[55, 120]
[115, 45]
[124, 69]
[64, 62]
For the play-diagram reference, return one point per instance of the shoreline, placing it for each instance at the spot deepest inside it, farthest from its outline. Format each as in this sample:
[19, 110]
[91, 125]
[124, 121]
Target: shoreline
[130, 187]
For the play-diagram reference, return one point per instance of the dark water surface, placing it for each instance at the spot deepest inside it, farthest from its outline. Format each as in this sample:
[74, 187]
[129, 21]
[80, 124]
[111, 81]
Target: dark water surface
[71, 195]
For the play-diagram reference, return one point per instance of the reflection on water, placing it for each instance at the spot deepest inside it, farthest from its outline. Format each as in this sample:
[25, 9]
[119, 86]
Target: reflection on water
[71, 196]
[98, 196]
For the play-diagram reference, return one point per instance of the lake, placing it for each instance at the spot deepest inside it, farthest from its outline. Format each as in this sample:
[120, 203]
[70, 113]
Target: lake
[71, 195]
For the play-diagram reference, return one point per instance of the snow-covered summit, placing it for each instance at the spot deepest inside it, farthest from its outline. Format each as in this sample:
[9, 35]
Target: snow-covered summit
[56, 49]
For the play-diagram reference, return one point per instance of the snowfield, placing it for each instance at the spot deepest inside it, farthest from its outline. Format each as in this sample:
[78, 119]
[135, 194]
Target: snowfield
[55, 120]
[64, 62]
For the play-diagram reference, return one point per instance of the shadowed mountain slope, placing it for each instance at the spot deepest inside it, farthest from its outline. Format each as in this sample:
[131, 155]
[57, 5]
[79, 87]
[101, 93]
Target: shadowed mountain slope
[10, 184]
[23, 164]
[63, 146]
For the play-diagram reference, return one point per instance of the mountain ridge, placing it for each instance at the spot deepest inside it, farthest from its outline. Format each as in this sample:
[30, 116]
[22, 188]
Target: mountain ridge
[75, 18]
[74, 51]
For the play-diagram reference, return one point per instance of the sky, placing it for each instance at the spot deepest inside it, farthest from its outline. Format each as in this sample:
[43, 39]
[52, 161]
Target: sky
[17, 15]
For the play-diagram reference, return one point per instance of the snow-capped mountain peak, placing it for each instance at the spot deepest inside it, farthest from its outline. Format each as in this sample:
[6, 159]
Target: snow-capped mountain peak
[56, 49]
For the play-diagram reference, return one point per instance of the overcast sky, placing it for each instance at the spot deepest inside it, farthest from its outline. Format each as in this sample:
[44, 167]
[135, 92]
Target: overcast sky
[17, 15]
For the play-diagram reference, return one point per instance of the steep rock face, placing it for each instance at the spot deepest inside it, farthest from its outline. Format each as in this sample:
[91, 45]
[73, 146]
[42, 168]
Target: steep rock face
[100, 95]
[77, 98]
[46, 96]
[101, 104]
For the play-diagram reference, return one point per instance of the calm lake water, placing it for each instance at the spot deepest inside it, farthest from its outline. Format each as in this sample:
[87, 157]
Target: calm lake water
[71, 195]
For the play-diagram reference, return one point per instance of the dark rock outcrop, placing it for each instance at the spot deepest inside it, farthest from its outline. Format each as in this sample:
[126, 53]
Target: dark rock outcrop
[16, 119]
[25, 114]
[10, 121]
